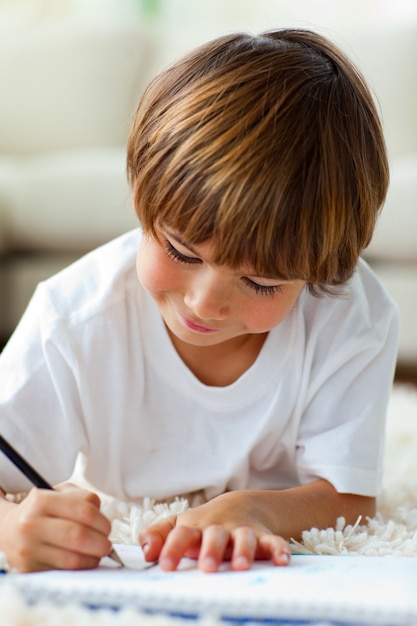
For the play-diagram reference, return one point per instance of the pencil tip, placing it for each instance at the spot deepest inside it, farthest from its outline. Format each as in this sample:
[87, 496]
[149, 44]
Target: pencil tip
[115, 557]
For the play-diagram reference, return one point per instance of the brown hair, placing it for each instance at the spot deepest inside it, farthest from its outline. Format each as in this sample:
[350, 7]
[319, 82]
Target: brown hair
[272, 146]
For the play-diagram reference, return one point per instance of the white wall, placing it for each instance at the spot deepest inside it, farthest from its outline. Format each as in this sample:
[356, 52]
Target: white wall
[380, 35]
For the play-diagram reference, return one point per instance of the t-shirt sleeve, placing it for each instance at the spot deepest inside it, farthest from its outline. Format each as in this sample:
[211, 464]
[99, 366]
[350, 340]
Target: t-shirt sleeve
[39, 403]
[342, 431]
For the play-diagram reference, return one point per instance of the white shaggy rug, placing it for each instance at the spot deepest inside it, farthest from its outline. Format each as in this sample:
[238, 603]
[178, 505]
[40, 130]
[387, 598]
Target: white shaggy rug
[392, 532]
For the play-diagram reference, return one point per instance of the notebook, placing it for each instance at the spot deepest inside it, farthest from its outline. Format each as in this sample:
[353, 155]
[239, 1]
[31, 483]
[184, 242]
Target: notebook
[342, 589]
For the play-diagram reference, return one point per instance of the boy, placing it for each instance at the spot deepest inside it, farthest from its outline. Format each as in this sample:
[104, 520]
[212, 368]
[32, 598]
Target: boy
[253, 359]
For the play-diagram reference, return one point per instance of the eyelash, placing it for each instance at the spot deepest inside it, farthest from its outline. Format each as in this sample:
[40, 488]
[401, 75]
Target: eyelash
[263, 290]
[175, 255]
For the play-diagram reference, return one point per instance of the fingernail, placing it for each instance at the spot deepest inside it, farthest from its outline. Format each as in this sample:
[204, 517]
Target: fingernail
[208, 564]
[166, 564]
[145, 548]
[284, 558]
[241, 562]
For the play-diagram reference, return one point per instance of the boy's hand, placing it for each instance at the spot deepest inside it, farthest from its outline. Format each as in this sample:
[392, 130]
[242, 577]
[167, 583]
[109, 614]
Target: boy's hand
[222, 529]
[62, 529]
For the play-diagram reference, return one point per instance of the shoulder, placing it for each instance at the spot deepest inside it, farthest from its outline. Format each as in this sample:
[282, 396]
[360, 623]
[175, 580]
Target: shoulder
[367, 303]
[366, 287]
[362, 317]
[99, 280]
[363, 300]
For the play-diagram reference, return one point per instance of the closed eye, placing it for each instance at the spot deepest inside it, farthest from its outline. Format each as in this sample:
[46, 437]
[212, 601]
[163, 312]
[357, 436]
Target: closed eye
[265, 290]
[177, 256]
[180, 257]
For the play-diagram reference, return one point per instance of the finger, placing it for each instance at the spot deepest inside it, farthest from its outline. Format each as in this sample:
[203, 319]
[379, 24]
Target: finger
[42, 505]
[56, 543]
[52, 557]
[244, 548]
[89, 496]
[213, 548]
[81, 507]
[86, 514]
[152, 538]
[178, 543]
[65, 534]
[275, 548]
[75, 538]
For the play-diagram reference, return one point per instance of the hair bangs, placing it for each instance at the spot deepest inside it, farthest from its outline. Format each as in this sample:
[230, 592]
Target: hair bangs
[271, 148]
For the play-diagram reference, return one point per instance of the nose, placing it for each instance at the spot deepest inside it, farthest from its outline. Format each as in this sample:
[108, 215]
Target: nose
[208, 296]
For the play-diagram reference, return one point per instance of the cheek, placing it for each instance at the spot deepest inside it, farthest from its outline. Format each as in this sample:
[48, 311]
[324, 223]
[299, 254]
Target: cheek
[154, 269]
[266, 315]
[261, 319]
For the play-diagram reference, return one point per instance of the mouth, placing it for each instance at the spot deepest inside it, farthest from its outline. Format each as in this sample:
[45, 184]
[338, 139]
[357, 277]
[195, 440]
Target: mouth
[196, 327]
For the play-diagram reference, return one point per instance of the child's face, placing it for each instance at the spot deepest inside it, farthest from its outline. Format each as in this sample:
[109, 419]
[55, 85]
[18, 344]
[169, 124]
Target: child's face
[205, 304]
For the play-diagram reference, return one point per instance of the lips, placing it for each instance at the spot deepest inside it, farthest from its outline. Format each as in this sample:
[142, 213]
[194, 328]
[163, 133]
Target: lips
[196, 327]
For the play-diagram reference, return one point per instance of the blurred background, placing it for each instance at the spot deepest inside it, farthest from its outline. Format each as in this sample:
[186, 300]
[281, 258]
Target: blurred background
[71, 73]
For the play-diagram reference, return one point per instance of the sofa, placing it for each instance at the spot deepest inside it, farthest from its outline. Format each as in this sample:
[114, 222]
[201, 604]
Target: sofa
[393, 255]
[68, 90]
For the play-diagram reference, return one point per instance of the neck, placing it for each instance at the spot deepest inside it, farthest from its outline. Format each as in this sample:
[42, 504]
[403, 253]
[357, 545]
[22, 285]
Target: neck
[222, 364]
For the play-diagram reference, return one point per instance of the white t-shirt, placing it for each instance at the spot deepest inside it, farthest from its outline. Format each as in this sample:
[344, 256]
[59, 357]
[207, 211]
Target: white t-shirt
[91, 369]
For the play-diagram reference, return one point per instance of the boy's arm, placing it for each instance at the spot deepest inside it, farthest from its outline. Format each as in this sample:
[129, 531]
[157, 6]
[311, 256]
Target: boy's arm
[247, 525]
[62, 529]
